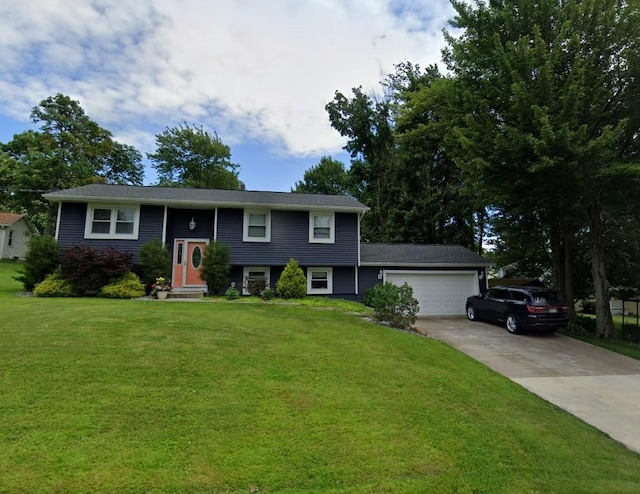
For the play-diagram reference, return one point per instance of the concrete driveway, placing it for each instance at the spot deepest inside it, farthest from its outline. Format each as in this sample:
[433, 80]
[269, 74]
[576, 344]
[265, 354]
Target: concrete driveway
[598, 386]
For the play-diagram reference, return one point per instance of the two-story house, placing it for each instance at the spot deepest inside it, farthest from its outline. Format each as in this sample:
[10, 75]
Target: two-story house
[264, 230]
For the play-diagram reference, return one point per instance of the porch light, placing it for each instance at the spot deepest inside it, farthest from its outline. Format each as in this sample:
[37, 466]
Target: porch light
[192, 224]
[380, 274]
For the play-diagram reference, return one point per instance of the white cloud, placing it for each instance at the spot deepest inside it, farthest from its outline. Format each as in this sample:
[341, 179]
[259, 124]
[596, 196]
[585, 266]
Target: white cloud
[249, 69]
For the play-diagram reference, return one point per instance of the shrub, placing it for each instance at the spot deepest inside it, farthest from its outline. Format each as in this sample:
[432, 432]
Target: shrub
[215, 266]
[292, 282]
[41, 260]
[88, 269]
[128, 286]
[232, 293]
[267, 293]
[393, 304]
[589, 306]
[256, 285]
[155, 262]
[53, 286]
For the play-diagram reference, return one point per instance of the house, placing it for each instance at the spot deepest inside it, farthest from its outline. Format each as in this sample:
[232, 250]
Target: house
[15, 230]
[264, 230]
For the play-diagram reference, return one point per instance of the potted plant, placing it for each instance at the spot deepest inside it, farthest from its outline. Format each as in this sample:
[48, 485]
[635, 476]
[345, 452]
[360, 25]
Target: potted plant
[161, 288]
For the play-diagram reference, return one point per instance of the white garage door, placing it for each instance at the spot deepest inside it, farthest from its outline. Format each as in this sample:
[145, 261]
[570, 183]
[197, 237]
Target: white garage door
[441, 293]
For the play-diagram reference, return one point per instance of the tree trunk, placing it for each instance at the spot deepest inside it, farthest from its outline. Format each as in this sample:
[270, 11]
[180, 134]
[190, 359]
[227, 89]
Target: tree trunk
[568, 278]
[604, 321]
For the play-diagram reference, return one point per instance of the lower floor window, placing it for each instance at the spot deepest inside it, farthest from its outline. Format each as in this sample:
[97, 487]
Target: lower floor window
[319, 280]
[254, 280]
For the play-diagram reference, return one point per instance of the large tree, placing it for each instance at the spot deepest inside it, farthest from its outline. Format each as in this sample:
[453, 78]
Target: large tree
[552, 127]
[327, 177]
[68, 150]
[189, 156]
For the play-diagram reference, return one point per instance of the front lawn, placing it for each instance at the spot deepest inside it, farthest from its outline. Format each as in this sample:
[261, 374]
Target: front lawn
[144, 396]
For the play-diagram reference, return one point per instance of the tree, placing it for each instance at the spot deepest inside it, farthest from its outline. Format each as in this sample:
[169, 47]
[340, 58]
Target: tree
[68, 150]
[192, 157]
[216, 266]
[368, 126]
[155, 262]
[292, 282]
[551, 127]
[327, 177]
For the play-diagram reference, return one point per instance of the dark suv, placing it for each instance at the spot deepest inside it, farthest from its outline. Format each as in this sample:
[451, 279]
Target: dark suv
[520, 308]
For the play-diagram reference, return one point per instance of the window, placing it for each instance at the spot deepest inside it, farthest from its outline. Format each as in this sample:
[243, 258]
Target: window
[321, 227]
[255, 279]
[319, 280]
[257, 226]
[119, 222]
[10, 241]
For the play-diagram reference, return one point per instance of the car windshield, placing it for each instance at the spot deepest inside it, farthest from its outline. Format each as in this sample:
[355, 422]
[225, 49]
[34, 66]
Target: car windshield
[547, 298]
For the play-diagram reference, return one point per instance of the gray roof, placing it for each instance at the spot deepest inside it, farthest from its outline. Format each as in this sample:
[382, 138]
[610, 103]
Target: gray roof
[203, 198]
[419, 255]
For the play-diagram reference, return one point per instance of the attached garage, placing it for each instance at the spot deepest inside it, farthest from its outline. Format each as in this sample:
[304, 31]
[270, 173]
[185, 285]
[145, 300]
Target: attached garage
[442, 276]
[439, 293]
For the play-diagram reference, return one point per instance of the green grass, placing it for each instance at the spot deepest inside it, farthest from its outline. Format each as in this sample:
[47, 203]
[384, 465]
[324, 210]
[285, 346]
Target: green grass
[145, 396]
[628, 348]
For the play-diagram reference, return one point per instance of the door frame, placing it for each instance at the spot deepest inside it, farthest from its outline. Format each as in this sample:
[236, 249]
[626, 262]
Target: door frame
[185, 262]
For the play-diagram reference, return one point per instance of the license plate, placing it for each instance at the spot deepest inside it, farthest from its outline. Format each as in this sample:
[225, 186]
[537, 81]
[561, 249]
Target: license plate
[553, 311]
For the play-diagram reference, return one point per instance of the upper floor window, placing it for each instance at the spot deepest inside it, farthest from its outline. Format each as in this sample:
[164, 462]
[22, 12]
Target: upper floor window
[10, 242]
[257, 226]
[118, 222]
[321, 227]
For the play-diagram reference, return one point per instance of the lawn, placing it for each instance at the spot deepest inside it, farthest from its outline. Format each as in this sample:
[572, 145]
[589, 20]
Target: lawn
[146, 396]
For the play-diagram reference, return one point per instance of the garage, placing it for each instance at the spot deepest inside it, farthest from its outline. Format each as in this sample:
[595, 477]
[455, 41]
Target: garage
[439, 293]
[442, 276]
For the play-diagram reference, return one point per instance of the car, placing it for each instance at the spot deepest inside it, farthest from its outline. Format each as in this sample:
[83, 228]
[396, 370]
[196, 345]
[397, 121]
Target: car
[519, 308]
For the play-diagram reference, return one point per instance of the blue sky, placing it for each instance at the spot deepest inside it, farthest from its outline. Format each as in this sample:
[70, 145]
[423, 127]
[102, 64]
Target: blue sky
[257, 72]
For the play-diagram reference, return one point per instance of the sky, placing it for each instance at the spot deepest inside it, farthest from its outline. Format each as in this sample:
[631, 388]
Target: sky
[257, 72]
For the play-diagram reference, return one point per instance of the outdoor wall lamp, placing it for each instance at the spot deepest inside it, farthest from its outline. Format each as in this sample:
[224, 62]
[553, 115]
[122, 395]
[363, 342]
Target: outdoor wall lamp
[380, 274]
[192, 224]
[481, 275]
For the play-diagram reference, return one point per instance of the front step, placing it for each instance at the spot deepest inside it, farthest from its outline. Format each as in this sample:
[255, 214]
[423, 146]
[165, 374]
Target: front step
[192, 294]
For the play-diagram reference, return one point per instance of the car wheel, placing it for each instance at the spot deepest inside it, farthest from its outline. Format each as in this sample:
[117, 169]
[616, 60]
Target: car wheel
[512, 324]
[471, 313]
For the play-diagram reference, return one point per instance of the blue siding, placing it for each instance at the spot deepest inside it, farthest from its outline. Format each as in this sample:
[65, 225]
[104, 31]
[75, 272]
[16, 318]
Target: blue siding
[289, 239]
[72, 223]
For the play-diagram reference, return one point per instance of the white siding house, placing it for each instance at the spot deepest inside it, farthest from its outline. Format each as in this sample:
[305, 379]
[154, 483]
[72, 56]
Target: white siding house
[15, 231]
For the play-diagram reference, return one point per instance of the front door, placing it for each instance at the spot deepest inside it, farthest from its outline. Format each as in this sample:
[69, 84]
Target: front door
[187, 263]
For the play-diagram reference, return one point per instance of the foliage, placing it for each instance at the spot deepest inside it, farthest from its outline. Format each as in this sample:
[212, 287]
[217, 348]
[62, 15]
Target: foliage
[192, 157]
[393, 304]
[160, 285]
[327, 177]
[68, 150]
[41, 260]
[127, 287]
[88, 269]
[267, 294]
[232, 293]
[216, 266]
[155, 262]
[292, 282]
[589, 306]
[256, 285]
[54, 286]
[541, 142]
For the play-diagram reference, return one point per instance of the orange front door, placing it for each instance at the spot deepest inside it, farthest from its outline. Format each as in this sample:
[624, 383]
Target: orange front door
[187, 263]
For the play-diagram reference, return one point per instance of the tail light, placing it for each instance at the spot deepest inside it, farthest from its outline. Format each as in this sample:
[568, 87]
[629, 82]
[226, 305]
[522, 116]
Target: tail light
[542, 309]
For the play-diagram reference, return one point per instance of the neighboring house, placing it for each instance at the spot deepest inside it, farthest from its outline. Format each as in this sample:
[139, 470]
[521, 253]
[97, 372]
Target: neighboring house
[264, 230]
[15, 230]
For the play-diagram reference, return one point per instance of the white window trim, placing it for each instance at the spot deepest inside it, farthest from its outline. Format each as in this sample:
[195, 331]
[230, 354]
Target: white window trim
[320, 291]
[112, 228]
[332, 227]
[245, 229]
[245, 274]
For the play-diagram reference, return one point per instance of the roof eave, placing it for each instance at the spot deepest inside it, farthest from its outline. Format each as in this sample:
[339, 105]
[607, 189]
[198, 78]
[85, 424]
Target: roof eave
[55, 198]
[425, 264]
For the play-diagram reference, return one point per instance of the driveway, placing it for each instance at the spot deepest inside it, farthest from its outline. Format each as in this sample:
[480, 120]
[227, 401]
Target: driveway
[598, 386]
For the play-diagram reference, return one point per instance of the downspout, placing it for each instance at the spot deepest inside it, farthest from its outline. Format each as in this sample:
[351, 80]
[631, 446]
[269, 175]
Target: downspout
[215, 224]
[59, 215]
[164, 226]
[4, 229]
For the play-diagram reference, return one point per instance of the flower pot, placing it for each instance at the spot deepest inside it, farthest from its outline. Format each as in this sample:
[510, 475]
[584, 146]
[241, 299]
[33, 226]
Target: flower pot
[162, 295]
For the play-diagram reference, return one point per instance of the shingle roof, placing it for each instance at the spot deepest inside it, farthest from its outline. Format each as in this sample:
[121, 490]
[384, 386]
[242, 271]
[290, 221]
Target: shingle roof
[183, 197]
[8, 219]
[419, 255]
